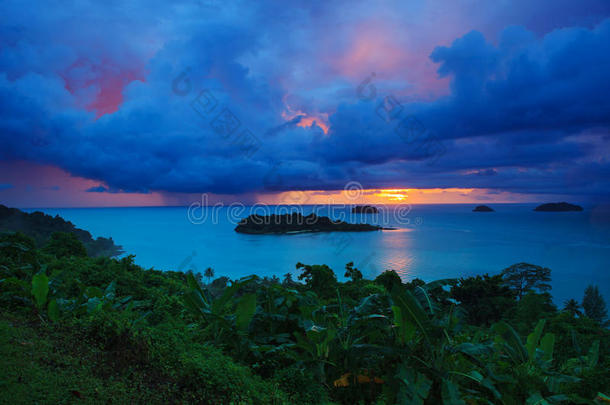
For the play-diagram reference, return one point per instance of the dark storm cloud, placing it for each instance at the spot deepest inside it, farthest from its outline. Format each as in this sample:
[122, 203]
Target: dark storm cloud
[98, 189]
[525, 113]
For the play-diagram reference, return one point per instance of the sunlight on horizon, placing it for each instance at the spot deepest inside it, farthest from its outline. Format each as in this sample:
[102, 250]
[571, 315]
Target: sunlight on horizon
[390, 196]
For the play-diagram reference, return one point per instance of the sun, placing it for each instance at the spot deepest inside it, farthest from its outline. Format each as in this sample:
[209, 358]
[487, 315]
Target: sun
[393, 194]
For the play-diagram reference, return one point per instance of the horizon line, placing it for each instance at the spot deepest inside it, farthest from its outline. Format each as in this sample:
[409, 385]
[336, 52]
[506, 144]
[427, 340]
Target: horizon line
[221, 205]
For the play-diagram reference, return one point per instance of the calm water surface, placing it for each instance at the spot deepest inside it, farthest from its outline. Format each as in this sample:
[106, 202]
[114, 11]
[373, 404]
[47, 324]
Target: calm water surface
[431, 242]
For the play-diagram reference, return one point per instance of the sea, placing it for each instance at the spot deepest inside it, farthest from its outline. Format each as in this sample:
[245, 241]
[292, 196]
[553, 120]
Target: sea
[429, 242]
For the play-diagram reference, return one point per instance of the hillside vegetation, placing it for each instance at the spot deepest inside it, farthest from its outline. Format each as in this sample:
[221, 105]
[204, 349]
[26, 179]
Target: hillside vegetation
[79, 329]
[41, 227]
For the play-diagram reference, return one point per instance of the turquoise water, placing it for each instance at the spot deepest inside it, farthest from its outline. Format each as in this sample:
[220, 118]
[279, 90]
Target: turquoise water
[430, 242]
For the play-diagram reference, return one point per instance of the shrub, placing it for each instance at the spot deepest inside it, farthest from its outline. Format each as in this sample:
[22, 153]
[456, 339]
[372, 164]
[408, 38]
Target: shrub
[484, 298]
[17, 255]
[388, 279]
[62, 244]
[300, 386]
[594, 305]
[207, 376]
[320, 279]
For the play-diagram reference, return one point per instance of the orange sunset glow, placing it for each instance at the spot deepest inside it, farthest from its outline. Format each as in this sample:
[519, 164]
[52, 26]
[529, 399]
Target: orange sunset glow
[307, 120]
[390, 196]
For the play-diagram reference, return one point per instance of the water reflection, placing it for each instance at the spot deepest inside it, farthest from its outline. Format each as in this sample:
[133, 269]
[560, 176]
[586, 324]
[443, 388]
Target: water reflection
[397, 249]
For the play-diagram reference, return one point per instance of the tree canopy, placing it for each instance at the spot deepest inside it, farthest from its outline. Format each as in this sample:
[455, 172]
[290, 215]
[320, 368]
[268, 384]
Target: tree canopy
[351, 272]
[63, 244]
[485, 298]
[320, 278]
[389, 279]
[525, 277]
[594, 305]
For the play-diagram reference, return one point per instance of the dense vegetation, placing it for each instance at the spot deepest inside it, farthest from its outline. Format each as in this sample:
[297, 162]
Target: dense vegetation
[296, 222]
[77, 329]
[560, 206]
[365, 209]
[482, 208]
[41, 228]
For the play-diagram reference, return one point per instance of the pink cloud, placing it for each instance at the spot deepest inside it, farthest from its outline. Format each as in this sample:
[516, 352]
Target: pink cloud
[37, 186]
[98, 85]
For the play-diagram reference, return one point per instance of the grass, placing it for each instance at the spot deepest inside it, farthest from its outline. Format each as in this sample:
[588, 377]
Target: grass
[48, 365]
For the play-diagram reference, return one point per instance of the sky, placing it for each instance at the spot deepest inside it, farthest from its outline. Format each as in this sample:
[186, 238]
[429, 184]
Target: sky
[151, 102]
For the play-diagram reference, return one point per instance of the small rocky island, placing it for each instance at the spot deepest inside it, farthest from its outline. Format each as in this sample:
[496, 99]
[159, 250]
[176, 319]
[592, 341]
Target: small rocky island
[558, 207]
[365, 209]
[482, 208]
[297, 223]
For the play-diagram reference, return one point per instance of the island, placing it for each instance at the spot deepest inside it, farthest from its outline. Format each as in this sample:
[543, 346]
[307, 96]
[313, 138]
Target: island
[365, 209]
[41, 227]
[298, 223]
[482, 208]
[558, 207]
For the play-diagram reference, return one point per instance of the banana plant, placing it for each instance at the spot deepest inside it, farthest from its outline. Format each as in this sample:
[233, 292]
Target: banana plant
[315, 345]
[530, 376]
[278, 316]
[225, 315]
[40, 293]
[536, 351]
[363, 341]
[93, 299]
[434, 368]
[343, 346]
[581, 364]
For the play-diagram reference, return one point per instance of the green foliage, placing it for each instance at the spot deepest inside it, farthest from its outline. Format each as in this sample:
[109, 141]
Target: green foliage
[352, 273]
[244, 311]
[300, 386]
[572, 307]
[415, 387]
[39, 227]
[485, 299]
[146, 336]
[214, 378]
[320, 279]
[62, 244]
[18, 257]
[530, 309]
[389, 279]
[524, 277]
[47, 367]
[224, 316]
[40, 289]
[413, 284]
[409, 316]
[594, 305]
[209, 274]
[532, 378]
[17, 246]
[53, 311]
